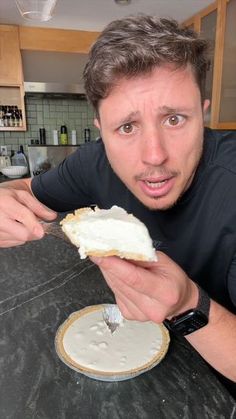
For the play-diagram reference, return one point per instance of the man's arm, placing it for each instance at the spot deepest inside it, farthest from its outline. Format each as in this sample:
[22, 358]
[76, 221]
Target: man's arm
[160, 290]
[20, 212]
[19, 184]
[216, 342]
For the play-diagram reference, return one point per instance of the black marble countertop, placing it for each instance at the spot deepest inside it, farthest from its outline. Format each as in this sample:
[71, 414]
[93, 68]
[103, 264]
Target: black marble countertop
[42, 283]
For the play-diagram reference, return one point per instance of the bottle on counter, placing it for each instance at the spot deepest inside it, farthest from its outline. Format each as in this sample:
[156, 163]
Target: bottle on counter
[19, 158]
[55, 137]
[73, 137]
[42, 136]
[87, 135]
[63, 135]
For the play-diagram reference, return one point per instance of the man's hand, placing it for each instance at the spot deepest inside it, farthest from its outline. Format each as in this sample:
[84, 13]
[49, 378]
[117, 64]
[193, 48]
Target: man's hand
[20, 212]
[159, 290]
[149, 291]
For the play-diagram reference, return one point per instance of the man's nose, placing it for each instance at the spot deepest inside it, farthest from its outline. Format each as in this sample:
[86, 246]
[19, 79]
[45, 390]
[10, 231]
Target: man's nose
[154, 147]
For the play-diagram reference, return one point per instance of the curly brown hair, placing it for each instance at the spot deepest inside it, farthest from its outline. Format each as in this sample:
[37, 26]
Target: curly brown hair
[135, 45]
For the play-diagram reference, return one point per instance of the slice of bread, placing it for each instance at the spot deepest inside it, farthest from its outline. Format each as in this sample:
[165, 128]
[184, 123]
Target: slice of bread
[110, 232]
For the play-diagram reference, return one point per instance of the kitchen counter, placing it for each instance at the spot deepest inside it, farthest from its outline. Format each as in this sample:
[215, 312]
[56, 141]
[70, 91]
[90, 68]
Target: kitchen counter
[42, 283]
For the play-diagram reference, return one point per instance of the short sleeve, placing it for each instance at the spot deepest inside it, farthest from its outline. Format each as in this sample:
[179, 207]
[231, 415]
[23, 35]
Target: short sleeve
[64, 187]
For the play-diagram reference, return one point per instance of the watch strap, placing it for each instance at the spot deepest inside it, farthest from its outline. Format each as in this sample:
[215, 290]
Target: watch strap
[204, 301]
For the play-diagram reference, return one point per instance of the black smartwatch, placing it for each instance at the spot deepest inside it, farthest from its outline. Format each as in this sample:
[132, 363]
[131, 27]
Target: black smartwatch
[193, 319]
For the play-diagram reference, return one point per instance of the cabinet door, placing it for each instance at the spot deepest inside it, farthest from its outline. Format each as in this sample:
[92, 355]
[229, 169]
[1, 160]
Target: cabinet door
[10, 57]
[228, 86]
[208, 31]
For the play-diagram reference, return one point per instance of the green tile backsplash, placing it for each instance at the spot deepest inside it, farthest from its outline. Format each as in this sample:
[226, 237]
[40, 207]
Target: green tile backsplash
[51, 113]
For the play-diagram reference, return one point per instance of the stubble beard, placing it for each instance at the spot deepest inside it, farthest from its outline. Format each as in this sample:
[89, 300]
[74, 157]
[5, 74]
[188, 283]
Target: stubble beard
[163, 171]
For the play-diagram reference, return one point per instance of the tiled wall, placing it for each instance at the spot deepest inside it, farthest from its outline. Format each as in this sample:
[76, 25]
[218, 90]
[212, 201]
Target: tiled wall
[51, 113]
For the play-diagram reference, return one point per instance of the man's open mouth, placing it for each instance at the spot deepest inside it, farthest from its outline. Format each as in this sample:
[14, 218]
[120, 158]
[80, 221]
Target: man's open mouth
[157, 188]
[155, 184]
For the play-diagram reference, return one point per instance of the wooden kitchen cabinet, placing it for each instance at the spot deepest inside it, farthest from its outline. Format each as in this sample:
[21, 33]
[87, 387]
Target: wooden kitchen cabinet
[208, 31]
[217, 24]
[11, 76]
[227, 108]
[10, 57]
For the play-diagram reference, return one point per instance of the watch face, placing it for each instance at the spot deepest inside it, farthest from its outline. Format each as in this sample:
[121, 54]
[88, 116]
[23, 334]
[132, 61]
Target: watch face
[187, 323]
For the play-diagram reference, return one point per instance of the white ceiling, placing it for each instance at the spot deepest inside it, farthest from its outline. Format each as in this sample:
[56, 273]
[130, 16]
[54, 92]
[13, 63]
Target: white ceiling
[95, 14]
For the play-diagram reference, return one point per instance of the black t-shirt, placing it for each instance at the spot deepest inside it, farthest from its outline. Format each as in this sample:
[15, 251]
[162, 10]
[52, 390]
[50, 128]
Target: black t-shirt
[199, 232]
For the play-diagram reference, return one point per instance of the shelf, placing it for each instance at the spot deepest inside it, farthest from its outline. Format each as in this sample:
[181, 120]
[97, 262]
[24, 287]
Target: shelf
[7, 129]
[13, 96]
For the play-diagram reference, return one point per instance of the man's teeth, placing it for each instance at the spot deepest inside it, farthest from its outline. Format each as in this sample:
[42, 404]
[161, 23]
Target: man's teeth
[155, 184]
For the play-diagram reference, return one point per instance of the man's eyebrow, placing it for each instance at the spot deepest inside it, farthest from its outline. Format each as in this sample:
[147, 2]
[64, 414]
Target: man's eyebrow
[171, 110]
[127, 118]
[130, 116]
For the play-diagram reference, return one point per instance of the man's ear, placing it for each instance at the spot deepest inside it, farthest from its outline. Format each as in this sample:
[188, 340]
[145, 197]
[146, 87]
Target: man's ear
[206, 105]
[205, 111]
[96, 123]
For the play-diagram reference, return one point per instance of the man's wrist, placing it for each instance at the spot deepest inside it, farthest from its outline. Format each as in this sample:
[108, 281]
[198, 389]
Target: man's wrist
[193, 319]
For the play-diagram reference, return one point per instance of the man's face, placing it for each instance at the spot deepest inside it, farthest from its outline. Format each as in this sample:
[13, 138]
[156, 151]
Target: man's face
[152, 129]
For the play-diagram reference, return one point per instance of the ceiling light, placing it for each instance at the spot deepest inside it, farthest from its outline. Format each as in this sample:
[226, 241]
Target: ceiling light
[122, 2]
[40, 10]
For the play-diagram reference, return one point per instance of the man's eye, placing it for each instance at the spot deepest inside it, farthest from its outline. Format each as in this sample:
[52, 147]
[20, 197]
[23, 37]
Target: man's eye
[174, 120]
[126, 128]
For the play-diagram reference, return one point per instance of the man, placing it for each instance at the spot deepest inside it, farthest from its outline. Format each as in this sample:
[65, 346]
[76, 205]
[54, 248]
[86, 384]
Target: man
[145, 78]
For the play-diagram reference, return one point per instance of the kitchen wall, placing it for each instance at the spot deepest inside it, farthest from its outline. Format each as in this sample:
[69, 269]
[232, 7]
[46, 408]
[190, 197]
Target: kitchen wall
[51, 113]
